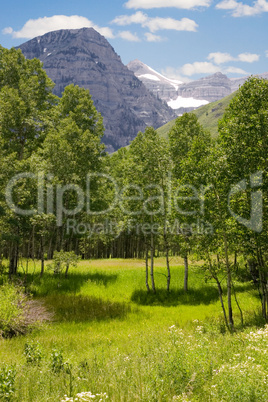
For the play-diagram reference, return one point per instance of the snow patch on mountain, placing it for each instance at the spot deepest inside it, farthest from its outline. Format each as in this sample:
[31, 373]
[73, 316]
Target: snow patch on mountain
[171, 81]
[149, 77]
[186, 103]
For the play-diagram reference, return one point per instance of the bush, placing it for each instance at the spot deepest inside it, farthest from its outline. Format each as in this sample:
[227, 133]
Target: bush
[63, 260]
[18, 313]
[7, 380]
[240, 381]
[3, 271]
[2, 267]
[57, 363]
[33, 352]
[12, 304]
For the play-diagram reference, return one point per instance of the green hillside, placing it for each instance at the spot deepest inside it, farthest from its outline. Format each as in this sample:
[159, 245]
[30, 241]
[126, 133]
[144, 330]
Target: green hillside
[208, 116]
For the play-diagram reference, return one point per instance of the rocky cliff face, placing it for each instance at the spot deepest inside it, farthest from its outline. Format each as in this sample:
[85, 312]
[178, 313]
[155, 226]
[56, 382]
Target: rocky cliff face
[85, 58]
[237, 82]
[182, 97]
[185, 97]
[210, 88]
[162, 87]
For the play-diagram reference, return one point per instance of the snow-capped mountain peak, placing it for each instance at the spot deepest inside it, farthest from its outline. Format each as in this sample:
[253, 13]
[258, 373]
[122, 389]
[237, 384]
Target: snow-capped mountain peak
[182, 97]
[163, 87]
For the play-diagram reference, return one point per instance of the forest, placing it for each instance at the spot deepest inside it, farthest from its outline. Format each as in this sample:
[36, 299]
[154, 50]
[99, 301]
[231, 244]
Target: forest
[64, 200]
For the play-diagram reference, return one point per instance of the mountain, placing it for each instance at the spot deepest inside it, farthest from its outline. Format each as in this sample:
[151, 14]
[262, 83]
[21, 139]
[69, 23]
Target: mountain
[182, 97]
[85, 58]
[237, 82]
[186, 97]
[162, 87]
[210, 88]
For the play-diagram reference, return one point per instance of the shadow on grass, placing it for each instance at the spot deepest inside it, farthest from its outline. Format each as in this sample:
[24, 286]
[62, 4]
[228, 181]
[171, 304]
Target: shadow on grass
[84, 308]
[50, 284]
[204, 295]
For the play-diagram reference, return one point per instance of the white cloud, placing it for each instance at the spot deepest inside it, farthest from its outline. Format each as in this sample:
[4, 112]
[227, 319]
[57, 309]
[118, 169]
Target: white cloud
[184, 4]
[244, 10]
[153, 38]
[220, 58]
[187, 70]
[104, 31]
[40, 26]
[227, 5]
[199, 67]
[240, 9]
[7, 30]
[174, 74]
[248, 57]
[127, 35]
[215, 64]
[138, 18]
[185, 24]
[266, 53]
[204, 67]
[235, 70]
[157, 23]
[263, 4]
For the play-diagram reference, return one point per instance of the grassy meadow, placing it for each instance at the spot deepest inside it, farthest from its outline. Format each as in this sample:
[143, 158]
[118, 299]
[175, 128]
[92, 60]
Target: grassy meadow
[109, 335]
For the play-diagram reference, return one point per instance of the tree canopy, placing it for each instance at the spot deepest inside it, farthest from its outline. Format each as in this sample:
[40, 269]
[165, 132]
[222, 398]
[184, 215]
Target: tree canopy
[61, 192]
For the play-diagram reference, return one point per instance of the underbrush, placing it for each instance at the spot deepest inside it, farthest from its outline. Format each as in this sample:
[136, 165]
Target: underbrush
[12, 310]
[19, 314]
[169, 365]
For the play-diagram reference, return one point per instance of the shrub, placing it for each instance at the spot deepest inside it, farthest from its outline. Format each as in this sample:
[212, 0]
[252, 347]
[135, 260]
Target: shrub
[63, 260]
[33, 352]
[7, 381]
[12, 305]
[57, 363]
[2, 266]
[18, 313]
[240, 381]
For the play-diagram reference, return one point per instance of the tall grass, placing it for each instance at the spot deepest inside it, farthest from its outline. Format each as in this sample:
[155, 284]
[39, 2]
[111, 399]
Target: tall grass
[116, 338]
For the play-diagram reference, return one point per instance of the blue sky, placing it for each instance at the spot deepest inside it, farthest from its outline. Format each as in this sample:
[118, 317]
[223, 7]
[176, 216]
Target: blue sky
[184, 39]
